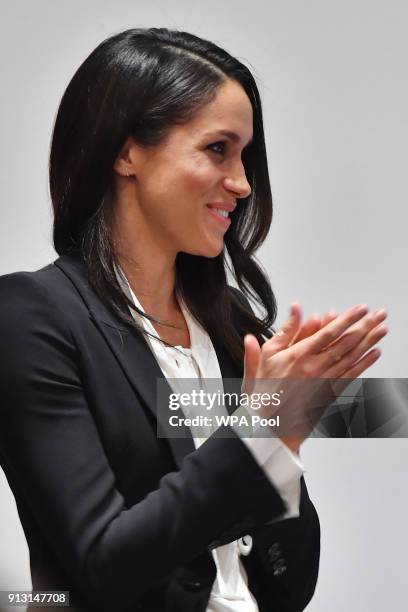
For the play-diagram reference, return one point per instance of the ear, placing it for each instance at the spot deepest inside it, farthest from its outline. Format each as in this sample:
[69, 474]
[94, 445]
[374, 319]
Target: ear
[126, 162]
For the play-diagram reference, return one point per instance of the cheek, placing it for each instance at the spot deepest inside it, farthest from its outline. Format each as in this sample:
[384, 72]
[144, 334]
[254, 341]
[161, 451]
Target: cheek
[175, 187]
[200, 180]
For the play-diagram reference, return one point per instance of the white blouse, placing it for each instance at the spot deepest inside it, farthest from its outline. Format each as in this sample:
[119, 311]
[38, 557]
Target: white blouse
[230, 592]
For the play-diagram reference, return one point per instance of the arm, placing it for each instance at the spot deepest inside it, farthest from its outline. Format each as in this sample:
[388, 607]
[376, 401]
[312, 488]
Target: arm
[49, 444]
[284, 563]
[282, 466]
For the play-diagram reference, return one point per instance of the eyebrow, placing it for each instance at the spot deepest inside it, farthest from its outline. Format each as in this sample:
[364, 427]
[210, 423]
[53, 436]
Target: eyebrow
[228, 134]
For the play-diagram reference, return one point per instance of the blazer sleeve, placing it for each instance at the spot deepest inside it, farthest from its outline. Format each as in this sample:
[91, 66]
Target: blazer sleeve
[284, 564]
[51, 452]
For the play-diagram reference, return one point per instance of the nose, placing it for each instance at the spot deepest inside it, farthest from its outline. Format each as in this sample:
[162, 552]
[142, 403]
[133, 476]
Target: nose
[238, 183]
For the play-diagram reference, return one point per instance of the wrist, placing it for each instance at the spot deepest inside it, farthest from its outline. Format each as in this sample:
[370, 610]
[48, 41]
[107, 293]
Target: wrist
[292, 443]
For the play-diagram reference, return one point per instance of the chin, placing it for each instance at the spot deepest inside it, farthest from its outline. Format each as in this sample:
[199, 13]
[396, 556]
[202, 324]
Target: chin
[213, 249]
[209, 251]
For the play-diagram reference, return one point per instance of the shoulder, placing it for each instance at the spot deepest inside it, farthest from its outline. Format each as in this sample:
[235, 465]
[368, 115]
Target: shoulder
[42, 295]
[17, 284]
[18, 290]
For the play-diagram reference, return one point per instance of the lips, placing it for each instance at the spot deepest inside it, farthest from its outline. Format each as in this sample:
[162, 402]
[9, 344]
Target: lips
[229, 206]
[224, 220]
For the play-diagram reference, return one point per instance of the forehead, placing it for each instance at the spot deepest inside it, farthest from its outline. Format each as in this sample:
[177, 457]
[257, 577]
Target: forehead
[230, 110]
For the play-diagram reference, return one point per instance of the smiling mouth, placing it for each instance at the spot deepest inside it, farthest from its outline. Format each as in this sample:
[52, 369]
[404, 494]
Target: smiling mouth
[220, 214]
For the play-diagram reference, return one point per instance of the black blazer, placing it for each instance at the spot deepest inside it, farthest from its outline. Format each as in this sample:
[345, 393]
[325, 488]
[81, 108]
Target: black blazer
[122, 519]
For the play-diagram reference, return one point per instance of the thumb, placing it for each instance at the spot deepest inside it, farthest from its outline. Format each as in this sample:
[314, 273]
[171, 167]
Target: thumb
[252, 358]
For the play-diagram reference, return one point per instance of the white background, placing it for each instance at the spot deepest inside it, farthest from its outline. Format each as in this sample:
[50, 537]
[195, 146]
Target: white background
[332, 76]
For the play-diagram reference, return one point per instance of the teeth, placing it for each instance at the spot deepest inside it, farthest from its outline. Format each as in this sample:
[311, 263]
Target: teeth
[220, 211]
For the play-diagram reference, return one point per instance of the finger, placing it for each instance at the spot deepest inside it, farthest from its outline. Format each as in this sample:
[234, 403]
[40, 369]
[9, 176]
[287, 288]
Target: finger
[310, 327]
[353, 343]
[252, 356]
[368, 341]
[313, 325]
[363, 364]
[282, 338]
[328, 317]
[331, 332]
[286, 333]
[357, 332]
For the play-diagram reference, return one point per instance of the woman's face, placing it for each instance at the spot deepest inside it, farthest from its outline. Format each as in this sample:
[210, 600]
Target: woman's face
[178, 185]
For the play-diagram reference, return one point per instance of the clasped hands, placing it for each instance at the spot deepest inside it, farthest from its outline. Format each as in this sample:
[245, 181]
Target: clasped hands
[338, 348]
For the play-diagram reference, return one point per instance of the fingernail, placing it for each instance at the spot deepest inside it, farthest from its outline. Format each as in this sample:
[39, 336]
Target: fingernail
[361, 308]
[292, 308]
[380, 313]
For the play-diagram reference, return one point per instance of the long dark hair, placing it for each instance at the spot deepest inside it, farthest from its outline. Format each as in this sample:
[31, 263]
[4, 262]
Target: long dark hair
[140, 83]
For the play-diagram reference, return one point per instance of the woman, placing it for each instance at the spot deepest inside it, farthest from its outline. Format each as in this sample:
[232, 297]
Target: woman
[158, 170]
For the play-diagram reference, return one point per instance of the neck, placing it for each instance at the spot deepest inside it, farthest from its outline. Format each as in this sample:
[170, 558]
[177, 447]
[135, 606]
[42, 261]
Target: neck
[149, 265]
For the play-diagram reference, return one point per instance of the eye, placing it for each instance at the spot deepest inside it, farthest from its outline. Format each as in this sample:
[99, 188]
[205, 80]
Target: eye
[216, 145]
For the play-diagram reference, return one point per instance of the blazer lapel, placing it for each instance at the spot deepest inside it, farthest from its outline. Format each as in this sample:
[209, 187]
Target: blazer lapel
[133, 352]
